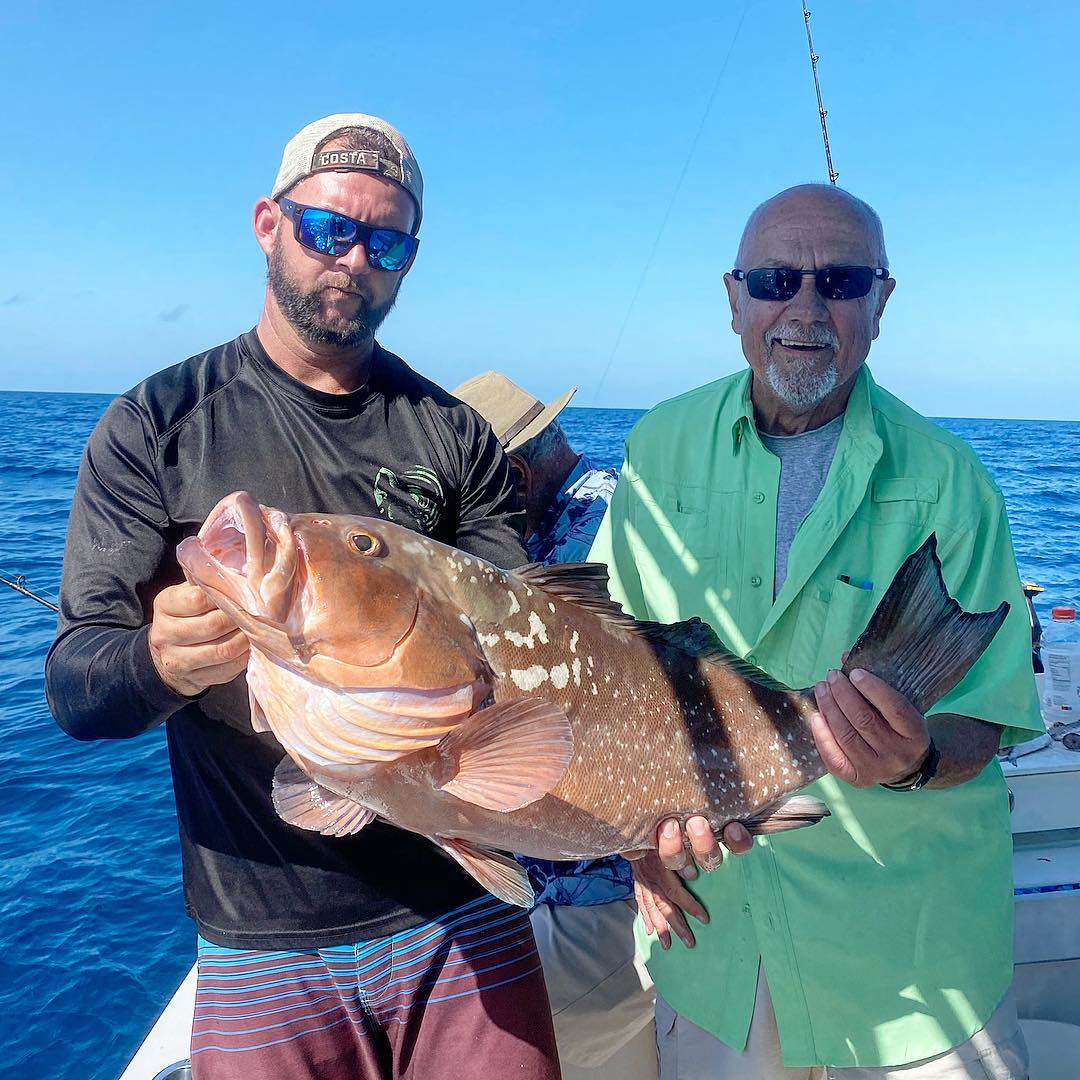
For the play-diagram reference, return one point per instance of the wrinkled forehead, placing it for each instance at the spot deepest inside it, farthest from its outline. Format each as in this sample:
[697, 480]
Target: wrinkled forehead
[810, 232]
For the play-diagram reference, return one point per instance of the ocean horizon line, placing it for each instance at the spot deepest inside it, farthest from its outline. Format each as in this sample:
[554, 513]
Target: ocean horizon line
[577, 408]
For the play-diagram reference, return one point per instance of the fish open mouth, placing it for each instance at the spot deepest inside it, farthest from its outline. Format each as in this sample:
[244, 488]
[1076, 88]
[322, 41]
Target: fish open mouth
[247, 553]
[224, 536]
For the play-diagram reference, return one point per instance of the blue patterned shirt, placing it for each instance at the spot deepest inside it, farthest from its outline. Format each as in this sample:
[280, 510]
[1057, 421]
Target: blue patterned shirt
[565, 534]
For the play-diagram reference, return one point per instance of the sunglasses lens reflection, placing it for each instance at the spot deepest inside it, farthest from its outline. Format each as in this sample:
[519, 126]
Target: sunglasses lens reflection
[327, 233]
[845, 282]
[388, 249]
[773, 283]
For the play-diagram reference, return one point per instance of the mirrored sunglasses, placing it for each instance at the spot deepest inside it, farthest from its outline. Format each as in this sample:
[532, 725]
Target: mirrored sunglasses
[330, 233]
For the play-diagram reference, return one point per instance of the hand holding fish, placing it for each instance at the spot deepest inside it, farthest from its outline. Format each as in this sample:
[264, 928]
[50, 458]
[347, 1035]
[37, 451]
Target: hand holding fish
[664, 902]
[193, 644]
[676, 846]
[866, 732]
[662, 899]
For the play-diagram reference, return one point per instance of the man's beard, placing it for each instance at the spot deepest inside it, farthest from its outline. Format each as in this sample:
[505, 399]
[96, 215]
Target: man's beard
[309, 316]
[803, 384]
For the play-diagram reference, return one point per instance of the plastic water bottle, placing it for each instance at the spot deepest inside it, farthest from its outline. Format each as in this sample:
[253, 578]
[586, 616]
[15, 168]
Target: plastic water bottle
[1061, 658]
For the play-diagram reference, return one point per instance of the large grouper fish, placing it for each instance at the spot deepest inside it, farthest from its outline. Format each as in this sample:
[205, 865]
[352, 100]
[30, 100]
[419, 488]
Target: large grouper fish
[500, 711]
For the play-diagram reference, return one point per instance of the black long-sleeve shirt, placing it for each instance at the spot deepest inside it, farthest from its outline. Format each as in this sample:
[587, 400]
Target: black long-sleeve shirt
[158, 461]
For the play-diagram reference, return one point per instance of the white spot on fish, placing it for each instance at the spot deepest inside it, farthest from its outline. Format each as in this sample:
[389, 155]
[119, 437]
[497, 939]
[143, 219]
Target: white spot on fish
[551, 607]
[560, 676]
[536, 630]
[490, 640]
[529, 678]
[573, 642]
[515, 607]
[576, 666]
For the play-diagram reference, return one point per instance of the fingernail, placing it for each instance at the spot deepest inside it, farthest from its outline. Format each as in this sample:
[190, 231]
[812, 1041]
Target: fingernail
[671, 828]
[697, 827]
[857, 675]
[833, 676]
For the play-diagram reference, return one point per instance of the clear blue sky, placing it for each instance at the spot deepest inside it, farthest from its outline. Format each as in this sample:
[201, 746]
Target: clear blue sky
[137, 136]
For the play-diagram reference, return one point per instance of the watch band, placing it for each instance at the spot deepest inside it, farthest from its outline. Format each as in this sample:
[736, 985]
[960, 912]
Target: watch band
[923, 775]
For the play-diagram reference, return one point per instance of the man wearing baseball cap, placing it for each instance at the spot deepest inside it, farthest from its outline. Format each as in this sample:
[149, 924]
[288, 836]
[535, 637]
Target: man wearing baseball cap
[367, 956]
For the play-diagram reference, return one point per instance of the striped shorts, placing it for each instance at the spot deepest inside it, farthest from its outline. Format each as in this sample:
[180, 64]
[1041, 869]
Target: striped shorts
[462, 996]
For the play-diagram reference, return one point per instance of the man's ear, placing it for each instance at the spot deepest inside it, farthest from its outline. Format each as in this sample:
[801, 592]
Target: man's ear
[264, 223]
[523, 476]
[885, 292]
[732, 287]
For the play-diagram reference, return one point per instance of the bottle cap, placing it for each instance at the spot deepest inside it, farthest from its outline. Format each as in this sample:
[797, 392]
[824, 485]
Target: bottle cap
[1063, 613]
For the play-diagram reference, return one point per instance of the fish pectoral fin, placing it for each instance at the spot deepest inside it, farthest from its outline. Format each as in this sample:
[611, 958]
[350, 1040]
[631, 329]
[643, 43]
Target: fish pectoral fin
[258, 717]
[506, 756]
[501, 875]
[794, 813]
[302, 802]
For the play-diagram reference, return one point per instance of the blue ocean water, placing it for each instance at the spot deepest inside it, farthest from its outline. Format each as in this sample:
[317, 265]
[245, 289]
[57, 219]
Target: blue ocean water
[93, 937]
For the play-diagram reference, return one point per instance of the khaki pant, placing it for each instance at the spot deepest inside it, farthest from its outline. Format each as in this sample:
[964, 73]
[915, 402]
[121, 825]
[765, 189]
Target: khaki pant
[601, 993]
[687, 1052]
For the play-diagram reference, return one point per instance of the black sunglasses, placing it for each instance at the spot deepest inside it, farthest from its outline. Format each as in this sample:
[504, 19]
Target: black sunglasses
[331, 233]
[833, 282]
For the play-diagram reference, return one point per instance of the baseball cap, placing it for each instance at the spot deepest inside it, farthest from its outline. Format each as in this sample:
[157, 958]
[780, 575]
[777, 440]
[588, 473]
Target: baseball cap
[514, 414]
[303, 155]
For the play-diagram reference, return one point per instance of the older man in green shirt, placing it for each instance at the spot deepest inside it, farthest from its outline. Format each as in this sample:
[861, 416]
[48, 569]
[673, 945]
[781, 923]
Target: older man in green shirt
[777, 504]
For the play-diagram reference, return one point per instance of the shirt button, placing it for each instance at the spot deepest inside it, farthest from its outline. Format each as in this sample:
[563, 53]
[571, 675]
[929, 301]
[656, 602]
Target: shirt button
[759, 496]
[746, 909]
[752, 659]
[755, 581]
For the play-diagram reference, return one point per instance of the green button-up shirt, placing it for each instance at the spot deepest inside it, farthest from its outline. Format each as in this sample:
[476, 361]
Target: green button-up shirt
[886, 929]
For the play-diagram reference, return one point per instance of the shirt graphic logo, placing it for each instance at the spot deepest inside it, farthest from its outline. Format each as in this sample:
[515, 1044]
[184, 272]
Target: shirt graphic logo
[416, 494]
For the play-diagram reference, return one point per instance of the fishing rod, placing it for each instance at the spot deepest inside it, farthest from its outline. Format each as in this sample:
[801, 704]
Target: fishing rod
[822, 111]
[18, 583]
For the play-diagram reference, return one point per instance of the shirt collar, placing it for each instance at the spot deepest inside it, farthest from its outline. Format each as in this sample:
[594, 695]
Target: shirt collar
[858, 413]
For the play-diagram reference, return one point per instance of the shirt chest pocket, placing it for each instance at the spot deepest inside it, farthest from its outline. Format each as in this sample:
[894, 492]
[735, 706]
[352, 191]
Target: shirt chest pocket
[849, 608]
[907, 499]
[676, 521]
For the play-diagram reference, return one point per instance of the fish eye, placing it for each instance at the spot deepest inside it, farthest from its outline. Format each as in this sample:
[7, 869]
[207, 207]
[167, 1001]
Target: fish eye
[364, 543]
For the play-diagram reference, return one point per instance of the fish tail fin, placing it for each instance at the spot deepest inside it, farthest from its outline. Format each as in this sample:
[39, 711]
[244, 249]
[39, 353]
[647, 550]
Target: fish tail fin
[919, 640]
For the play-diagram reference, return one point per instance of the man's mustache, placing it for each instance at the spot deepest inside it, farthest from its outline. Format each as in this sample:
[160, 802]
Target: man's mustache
[803, 335]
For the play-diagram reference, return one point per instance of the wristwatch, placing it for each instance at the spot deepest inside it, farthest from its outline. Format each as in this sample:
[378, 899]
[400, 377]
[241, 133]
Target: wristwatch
[923, 775]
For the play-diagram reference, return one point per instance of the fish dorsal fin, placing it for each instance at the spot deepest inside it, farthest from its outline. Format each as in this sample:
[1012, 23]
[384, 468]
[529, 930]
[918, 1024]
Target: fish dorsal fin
[700, 640]
[507, 755]
[581, 583]
[499, 874]
[302, 802]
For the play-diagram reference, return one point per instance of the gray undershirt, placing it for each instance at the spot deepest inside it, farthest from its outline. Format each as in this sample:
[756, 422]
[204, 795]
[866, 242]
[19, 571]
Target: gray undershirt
[804, 465]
